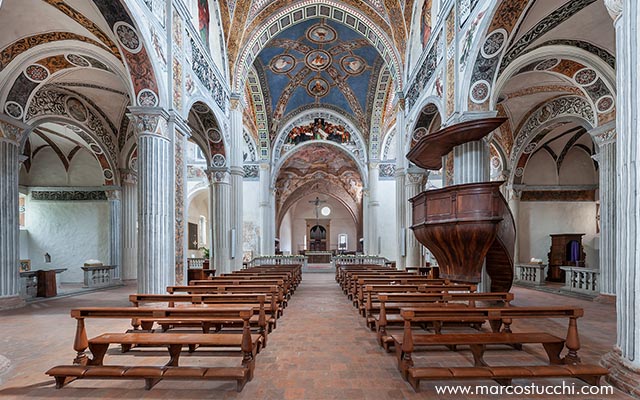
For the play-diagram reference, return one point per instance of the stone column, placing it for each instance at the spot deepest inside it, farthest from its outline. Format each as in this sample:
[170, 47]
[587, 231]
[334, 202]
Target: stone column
[129, 183]
[115, 233]
[471, 162]
[267, 232]
[605, 138]
[373, 206]
[624, 361]
[401, 200]
[237, 175]
[414, 185]
[156, 261]
[220, 195]
[10, 137]
[514, 206]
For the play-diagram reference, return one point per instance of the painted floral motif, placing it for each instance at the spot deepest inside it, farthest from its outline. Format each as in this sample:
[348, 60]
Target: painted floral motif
[36, 73]
[128, 37]
[13, 109]
[605, 104]
[219, 161]
[547, 64]
[77, 60]
[585, 76]
[494, 43]
[480, 92]
[146, 98]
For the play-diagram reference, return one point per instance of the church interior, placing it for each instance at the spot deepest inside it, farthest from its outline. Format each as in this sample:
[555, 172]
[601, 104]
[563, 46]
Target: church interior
[305, 199]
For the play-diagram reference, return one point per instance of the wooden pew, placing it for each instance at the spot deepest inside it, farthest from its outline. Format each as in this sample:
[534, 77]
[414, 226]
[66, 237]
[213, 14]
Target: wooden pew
[213, 288]
[244, 280]
[259, 302]
[569, 366]
[389, 306]
[85, 367]
[357, 289]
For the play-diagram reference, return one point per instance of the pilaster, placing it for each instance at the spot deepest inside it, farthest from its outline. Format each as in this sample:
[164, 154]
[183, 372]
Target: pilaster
[237, 174]
[267, 230]
[129, 183]
[373, 206]
[115, 232]
[401, 200]
[415, 181]
[11, 135]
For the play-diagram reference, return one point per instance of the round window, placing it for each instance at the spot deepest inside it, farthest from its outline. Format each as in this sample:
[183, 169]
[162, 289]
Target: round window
[325, 211]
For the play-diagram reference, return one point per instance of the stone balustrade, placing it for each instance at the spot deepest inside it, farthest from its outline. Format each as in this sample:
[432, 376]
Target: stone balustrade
[98, 275]
[195, 263]
[531, 274]
[278, 260]
[581, 280]
[358, 260]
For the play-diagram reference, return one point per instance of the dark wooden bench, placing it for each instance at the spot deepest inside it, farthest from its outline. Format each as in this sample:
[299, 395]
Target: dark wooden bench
[213, 288]
[85, 367]
[268, 303]
[568, 366]
[389, 306]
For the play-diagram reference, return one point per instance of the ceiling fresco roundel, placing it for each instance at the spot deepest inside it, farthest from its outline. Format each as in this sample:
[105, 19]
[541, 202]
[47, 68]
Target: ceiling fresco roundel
[319, 62]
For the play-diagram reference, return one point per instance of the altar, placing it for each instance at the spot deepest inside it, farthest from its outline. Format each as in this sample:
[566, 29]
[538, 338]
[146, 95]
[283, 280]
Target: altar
[318, 257]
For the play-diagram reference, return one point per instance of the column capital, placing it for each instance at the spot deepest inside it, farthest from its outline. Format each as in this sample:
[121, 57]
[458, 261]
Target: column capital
[515, 192]
[149, 120]
[416, 176]
[237, 102]
[180, 123]
[128, 176]
[614, 7]
[400, 101]
[12, 130]
[265, 166]
[113, 194]
[218, 175]
[605, 134]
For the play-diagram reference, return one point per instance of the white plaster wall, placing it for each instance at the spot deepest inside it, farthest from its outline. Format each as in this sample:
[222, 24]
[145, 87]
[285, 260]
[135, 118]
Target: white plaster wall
[341, 222]
[537, 220]
[70, 231]
[387, 218]
[251, 217]
[286, 234]
[199, 205]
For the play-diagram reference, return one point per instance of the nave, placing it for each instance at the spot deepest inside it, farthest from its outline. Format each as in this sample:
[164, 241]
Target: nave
[321, 349]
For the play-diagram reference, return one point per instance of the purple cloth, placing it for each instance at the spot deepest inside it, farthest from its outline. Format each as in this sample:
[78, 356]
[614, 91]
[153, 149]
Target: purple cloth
[574, 251]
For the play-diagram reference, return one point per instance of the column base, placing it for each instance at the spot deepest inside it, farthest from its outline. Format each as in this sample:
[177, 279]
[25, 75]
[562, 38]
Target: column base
[621, 375]
[10, 302]
[605, 298]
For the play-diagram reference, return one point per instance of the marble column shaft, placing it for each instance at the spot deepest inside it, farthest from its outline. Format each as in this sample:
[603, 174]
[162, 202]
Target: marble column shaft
[9, 227]
[156, 261]
[372, 233]
[267, 238]
[115, 232]
[401, 200]
[605, 137]
[471, 162]
[220, 195]
[414, 185]
[129, 229]
[624, 362]
[514, 206]
[237, 175]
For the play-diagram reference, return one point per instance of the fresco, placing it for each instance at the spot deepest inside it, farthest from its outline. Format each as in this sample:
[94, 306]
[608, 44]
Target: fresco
[319, 62]
[425, 23]
[319, 130]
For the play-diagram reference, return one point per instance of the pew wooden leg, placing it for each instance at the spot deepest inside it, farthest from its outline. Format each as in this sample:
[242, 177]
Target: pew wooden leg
[80, 343]
[593, 380]
[553, 352]
[150, 382]
[503, 382]
[240, 385]
[98, 351]
[415, 383]
[147, 325]
[174, 353]
[62, 380]
[478, 355]
[572, 343]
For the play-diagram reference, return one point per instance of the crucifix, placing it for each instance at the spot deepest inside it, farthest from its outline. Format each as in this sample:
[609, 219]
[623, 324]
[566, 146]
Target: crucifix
[317, 203]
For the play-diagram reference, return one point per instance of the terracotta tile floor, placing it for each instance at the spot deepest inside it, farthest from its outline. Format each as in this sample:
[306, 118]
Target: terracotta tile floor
[321, 350]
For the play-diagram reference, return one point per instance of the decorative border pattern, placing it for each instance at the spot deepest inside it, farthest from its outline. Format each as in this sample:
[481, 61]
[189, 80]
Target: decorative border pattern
[68, 195]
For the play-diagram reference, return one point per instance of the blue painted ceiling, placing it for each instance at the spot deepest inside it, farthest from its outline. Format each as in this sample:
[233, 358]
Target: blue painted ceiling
[317, 63]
